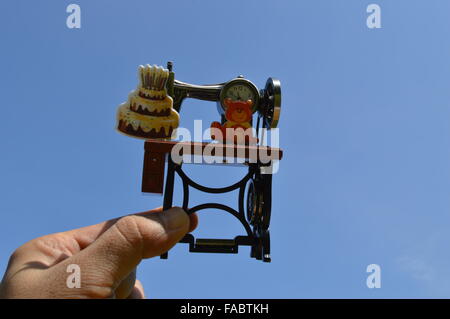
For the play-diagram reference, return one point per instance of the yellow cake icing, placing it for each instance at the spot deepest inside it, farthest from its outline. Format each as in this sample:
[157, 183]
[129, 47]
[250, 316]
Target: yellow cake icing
[147, 123]
[150, 105]
[153, 94]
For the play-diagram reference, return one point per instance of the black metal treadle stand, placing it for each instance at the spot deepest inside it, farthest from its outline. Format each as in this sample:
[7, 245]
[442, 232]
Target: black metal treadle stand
[254, 208]
[258, 237]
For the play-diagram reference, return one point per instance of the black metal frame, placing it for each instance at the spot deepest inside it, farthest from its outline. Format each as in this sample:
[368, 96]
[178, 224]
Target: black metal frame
[258, 237]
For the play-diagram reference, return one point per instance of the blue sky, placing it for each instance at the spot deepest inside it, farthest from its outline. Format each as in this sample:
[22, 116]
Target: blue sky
[364, 125]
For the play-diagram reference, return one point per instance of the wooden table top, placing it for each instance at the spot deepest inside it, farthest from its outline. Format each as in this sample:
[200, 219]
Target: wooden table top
[254, 152]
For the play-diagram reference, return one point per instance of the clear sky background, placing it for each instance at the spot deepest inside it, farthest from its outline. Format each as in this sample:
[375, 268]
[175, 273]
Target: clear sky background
[365, 127]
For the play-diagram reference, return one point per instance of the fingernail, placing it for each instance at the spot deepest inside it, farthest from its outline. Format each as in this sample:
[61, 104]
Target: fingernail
[175, 218]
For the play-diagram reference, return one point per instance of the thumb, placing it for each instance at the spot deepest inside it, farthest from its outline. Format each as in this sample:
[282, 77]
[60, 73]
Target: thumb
[116, 253]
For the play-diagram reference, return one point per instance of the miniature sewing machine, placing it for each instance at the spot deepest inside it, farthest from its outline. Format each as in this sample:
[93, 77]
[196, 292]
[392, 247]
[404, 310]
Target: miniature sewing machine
[151, 113]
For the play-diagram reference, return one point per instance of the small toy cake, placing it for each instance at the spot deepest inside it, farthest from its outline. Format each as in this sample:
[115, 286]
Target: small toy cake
[148, 112]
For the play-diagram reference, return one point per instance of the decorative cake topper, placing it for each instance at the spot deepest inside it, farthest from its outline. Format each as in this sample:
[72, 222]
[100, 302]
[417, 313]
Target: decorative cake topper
[151, 112]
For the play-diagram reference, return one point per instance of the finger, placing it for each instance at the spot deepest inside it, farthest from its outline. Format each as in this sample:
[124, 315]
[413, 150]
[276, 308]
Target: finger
[193, 222]
[87, 235]
[48, 250]
[112, 257]
[126, 287]
[137, 292]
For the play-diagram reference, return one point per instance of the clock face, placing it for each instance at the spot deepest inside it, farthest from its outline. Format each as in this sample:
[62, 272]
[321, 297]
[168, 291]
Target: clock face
[240, 89]
[240, 92]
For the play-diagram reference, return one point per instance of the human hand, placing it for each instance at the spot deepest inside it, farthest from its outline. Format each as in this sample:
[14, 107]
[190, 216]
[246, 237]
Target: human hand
[107, 255]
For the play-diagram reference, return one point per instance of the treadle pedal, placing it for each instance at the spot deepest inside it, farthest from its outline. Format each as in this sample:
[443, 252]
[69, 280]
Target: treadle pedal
[227, 246]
